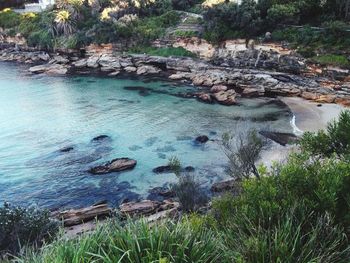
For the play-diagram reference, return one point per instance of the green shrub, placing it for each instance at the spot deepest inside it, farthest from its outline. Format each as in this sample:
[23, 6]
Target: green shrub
[181, 33]
[41, 39]
[9, 18]
[164, 52]
[136, 242]
[20, 227]
[189, 193]
[335, 60]
[289, 240]
[335, 140]
[283, 13]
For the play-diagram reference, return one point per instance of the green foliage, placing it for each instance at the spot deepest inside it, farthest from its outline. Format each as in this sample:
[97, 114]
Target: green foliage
[335, 140]
[9, 18]
[189, 193]
[286, 14]
[290, 239]
[20, 227]
[334, 60]
[41, 39]
[184, 34]
[164, 52]
[299, 213]
[243, 151]
[136, 242]
[229, 20]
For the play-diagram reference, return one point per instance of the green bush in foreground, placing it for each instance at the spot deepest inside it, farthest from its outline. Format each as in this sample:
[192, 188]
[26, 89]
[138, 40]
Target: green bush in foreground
[334, 140]
[135, 243]
[22, 227]
[335, 60]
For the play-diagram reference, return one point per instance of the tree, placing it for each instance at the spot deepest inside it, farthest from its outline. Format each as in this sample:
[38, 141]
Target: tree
[243, 151]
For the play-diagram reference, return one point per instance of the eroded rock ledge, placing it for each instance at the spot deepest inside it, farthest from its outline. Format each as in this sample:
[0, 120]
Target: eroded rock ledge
[216, 83]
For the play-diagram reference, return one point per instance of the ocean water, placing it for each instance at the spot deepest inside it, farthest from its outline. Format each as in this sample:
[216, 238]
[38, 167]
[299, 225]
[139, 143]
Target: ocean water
[145, 120]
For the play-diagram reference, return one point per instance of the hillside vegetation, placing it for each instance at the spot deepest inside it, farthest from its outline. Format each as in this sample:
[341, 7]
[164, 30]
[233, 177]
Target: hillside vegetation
[76, 23]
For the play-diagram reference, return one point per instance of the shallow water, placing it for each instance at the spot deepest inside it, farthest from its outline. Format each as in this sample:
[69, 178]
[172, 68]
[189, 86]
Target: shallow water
[39, 115]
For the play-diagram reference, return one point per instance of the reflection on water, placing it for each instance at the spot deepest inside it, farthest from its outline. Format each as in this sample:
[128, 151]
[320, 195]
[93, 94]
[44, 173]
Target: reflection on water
[47, 124]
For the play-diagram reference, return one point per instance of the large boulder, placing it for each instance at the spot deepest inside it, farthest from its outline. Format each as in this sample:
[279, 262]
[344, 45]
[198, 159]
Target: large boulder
[280, 137]
[204, 97]
[116, 165]
[109, 61]
[147, 69]
[226, 97]
[78, 216]
[53, 69]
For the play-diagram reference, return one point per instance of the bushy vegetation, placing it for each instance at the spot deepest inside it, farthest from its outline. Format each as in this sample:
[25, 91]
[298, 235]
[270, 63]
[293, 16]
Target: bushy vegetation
[21, 227]
[164, 52]
[76, 23]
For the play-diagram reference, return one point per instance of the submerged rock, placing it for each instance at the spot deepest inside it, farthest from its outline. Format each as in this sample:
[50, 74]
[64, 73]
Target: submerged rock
[202, 139]
[66, 149]
[116, 165]
[280, 137]
[162, 191]
[100, 138]
[168, 169]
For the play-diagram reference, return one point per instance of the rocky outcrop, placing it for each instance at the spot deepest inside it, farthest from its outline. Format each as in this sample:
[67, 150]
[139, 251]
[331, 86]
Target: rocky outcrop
[51, 69]
[280, 137]
[116, 165]
[78, 216]
[231, 185]
[226, 97]
[146, 208]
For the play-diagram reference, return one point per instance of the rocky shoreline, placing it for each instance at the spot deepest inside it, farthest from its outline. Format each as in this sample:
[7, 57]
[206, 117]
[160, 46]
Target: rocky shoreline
[218, 81]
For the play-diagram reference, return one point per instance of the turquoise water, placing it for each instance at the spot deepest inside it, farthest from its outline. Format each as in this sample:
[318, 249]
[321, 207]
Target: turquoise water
[39, 115]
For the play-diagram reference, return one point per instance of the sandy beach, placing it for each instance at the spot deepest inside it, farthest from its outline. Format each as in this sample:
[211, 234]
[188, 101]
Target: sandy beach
[309, 116]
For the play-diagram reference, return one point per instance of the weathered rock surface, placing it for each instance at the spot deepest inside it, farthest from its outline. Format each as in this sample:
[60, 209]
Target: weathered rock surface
[226, 97]
[280, 137]
[145, 70]
[231, 185]
[116, 165]
[146, 208]
[54, 69]
[78, 216]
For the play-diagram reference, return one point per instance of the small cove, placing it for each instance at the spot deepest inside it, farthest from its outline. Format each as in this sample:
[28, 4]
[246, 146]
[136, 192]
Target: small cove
[145, 120]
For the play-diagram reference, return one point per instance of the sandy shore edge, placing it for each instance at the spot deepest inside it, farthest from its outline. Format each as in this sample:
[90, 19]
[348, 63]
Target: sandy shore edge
[311, 116]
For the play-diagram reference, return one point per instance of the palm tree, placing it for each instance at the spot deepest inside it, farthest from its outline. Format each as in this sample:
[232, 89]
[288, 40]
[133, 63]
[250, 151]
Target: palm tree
[64, 23]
